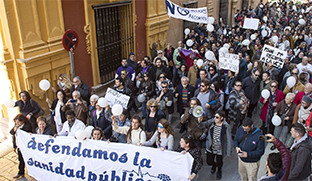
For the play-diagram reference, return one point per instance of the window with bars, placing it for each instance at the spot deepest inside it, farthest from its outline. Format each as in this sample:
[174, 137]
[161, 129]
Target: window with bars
[114, 36]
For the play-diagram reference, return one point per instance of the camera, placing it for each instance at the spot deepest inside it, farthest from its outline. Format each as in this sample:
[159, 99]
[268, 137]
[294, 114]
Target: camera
[73, 100]
[262, 137]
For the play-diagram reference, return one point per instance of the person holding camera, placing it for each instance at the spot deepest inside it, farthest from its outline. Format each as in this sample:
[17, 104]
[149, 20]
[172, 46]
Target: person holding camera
[249, 149]
[277, 164]
[78, 105]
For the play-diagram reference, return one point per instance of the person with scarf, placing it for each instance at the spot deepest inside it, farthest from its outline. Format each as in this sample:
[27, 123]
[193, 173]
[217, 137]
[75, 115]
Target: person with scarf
[303, 110]
[268, 107]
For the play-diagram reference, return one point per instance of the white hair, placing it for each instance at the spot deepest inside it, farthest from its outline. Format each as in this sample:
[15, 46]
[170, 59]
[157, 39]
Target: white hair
[94, 97]
[186, 78]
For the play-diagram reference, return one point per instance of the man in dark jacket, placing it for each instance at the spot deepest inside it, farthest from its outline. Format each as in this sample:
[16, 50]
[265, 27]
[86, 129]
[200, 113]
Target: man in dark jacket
[251, 87]
[83, 88]
[124, 66]
[158, 69]
[249, 149]
[121, 88]
[184, 92]
[278, 164]
[208, 98]
[300, 153]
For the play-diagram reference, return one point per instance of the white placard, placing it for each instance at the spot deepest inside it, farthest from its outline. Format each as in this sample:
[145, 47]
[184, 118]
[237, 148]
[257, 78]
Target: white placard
[114, 97]
[251, 23]
[65, 158]
[273, 55]
[198, 15]
[229, 61]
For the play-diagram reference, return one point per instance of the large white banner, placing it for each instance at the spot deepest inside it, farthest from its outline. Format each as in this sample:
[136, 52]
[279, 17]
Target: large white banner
[198, 15]
[251, 23]
[114, 97]
[273, 55]
[229, 61]
[65, 158]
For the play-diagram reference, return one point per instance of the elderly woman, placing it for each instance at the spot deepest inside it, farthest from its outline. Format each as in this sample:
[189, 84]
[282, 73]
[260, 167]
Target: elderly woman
[286, 110]
[163, 137]
[57, 115]
[154, 114]
[276, 96]
[44, 127]
[22, 123]
[303, 110]
[93, 100]
[28, 107]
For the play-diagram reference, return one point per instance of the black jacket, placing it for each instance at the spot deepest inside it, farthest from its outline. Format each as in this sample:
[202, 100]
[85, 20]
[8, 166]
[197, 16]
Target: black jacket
[164, 69]
[53, 106]
[251, 89]
[190, 94]
[103, 123]
[84, 91]
[27, 127]
[30, 106]
[48, 130]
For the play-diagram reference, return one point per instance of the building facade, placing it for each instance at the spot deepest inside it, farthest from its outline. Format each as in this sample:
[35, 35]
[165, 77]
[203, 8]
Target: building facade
[31, 39]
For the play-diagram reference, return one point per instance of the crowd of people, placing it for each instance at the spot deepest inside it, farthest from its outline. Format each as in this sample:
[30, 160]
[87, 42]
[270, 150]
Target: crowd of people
[215, 106]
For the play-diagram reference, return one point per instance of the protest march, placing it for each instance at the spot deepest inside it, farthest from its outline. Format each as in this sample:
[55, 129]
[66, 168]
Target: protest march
[231, 90]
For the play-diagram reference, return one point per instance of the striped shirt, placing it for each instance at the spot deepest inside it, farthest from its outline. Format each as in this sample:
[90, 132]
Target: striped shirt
[216, 142]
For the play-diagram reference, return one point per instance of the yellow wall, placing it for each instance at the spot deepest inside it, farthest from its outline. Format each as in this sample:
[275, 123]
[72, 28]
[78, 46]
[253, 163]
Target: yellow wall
[32, 46]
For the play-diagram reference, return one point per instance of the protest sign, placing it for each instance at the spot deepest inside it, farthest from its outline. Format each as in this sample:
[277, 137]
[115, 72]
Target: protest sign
[198, 15]
[229, 61]
[65, 158]
[114, 97]
[251, 23]
[273, 55]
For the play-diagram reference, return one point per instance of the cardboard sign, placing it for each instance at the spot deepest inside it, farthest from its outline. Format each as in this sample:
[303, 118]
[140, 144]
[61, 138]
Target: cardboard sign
[114, 97]
[273, 55]
[229, 61]
[251, 23]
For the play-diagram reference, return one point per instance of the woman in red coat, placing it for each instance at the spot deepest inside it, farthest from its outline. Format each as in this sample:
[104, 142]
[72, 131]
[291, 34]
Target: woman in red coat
[269, 105]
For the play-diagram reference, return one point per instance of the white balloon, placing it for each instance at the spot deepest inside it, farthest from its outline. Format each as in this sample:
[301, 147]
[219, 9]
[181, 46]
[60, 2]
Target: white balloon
[302, 21]
[246, 42]
[276, 120]
[79, 135]
[224, 32]
[264, 33]
[187, 31]
[265, 19]
[210, 55]
[210, 27]
[102, 102]
[275, 39]
[9, 103]
[226, 45]
[117, 109]
[287, 28]
[141, 98]
[294, 7]
[199, 62]
[211, 20]
[189, 42]
[291, 81]
[253, 37]
[265, 93]
[44, 84]
[88, 131]
[138, 82]
[223, 51]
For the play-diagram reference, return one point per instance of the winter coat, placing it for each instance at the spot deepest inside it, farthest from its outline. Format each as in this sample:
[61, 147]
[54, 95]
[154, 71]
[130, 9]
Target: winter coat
[48, 130]
[252, 89]
[190, 94]
[301, 160]
[84, 91]
[62, 113]
[251, 144]
[280, 110]
[194, 128]
[225, 137]
[278, 98]
[103, 122]
[233, 105]
[192, 75]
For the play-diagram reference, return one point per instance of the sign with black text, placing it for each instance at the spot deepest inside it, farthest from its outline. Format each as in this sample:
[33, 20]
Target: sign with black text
[273, 55]
[229, 61]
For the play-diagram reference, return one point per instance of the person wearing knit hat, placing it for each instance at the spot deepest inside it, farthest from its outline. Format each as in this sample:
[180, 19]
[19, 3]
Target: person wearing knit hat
[303, 110]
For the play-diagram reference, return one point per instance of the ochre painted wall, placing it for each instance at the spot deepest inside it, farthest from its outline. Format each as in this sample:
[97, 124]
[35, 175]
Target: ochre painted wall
[140, 30]
[74, 18]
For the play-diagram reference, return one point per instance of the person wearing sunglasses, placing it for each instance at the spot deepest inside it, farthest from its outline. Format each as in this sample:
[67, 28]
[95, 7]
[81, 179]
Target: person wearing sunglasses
[269, 105]
[251, 86]
[218, 142]
[236, 106]
[125, 66]
[163, 136]
[165, 100]
[154, 114]
[162, 77]
[147, 88]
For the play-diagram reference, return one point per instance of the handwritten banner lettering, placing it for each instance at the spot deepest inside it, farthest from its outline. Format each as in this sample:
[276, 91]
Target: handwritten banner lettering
[251, 23]
[273, 55]
[114, 97]
[229, 61]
